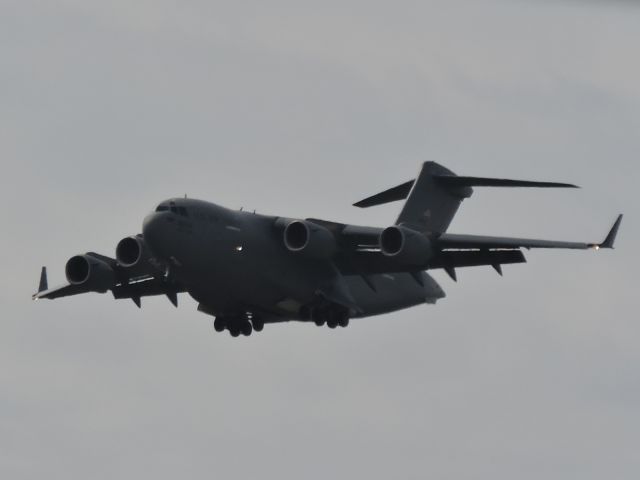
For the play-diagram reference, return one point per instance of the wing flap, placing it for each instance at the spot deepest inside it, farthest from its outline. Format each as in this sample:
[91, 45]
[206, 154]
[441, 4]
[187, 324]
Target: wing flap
[369, 263]
[146, 288]
[457, 259]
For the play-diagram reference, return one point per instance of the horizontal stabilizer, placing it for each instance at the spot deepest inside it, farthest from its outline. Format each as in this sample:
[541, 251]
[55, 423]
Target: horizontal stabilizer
[456, 182]
[400, 192]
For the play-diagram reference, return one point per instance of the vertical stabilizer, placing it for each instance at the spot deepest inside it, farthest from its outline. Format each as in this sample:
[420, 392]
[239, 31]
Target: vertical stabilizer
[430, 205]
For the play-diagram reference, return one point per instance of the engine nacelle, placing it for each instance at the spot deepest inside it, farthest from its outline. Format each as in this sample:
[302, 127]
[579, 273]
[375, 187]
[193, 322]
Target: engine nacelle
[406, 245]
[309, 239]
[132, 252]
[90, 272]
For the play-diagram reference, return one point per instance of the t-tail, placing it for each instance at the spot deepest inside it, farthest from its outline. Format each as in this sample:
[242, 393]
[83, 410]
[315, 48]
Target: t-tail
[433, 198]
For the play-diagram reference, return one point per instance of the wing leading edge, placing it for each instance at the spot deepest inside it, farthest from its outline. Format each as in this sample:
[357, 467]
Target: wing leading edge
[453, 241]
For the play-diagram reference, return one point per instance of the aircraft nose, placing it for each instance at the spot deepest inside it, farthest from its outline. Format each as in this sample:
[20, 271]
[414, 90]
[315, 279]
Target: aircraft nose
[152, 227]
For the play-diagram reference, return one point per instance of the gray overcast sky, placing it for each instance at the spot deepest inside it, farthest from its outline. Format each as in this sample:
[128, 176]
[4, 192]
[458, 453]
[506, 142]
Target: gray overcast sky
[301, 108]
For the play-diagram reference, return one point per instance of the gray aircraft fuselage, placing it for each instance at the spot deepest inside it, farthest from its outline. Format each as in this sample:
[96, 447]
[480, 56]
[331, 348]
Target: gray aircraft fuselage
[234, 261]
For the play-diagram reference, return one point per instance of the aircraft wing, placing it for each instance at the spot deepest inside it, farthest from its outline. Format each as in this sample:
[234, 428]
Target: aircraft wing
[464, 242]
[58, 292]
[127, 283]
[359, 252]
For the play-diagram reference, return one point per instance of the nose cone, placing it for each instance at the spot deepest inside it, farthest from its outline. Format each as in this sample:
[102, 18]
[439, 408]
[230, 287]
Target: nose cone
[152, 229]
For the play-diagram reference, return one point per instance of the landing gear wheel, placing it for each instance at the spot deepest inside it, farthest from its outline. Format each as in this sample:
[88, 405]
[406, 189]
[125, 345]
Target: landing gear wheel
[234, 331]
[246, 329]
[332, 323]
[257, 325]
[319, 316]
[219, 324]
[343, 319]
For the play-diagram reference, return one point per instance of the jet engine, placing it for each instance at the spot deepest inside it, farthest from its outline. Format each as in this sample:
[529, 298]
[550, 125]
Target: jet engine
[90, 272]
[309, 239]
[406, 245]
[132, 252]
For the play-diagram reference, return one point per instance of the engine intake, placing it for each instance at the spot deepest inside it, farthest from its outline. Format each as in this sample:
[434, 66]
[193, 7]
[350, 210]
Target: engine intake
[406, 245]
[94, 274]
[309, 239]
[132, 252]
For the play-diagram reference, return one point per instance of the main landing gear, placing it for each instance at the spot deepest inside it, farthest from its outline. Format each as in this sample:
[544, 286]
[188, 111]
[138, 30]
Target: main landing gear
[331, 316]
[244, 324]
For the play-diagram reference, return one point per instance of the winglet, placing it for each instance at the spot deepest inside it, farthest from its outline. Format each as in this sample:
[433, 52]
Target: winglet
[44, 284]
[611, 236]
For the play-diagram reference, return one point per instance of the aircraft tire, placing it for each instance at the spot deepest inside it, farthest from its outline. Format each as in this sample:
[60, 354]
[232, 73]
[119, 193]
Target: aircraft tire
[342, 317]
[257, 325]
[246, 329]
[332, 323]
[219, 324]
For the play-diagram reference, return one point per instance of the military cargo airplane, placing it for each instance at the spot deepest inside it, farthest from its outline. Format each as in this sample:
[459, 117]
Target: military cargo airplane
[247, 269]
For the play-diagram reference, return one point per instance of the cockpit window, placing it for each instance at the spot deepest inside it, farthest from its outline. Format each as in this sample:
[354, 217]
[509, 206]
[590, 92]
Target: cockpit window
[178, 210]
